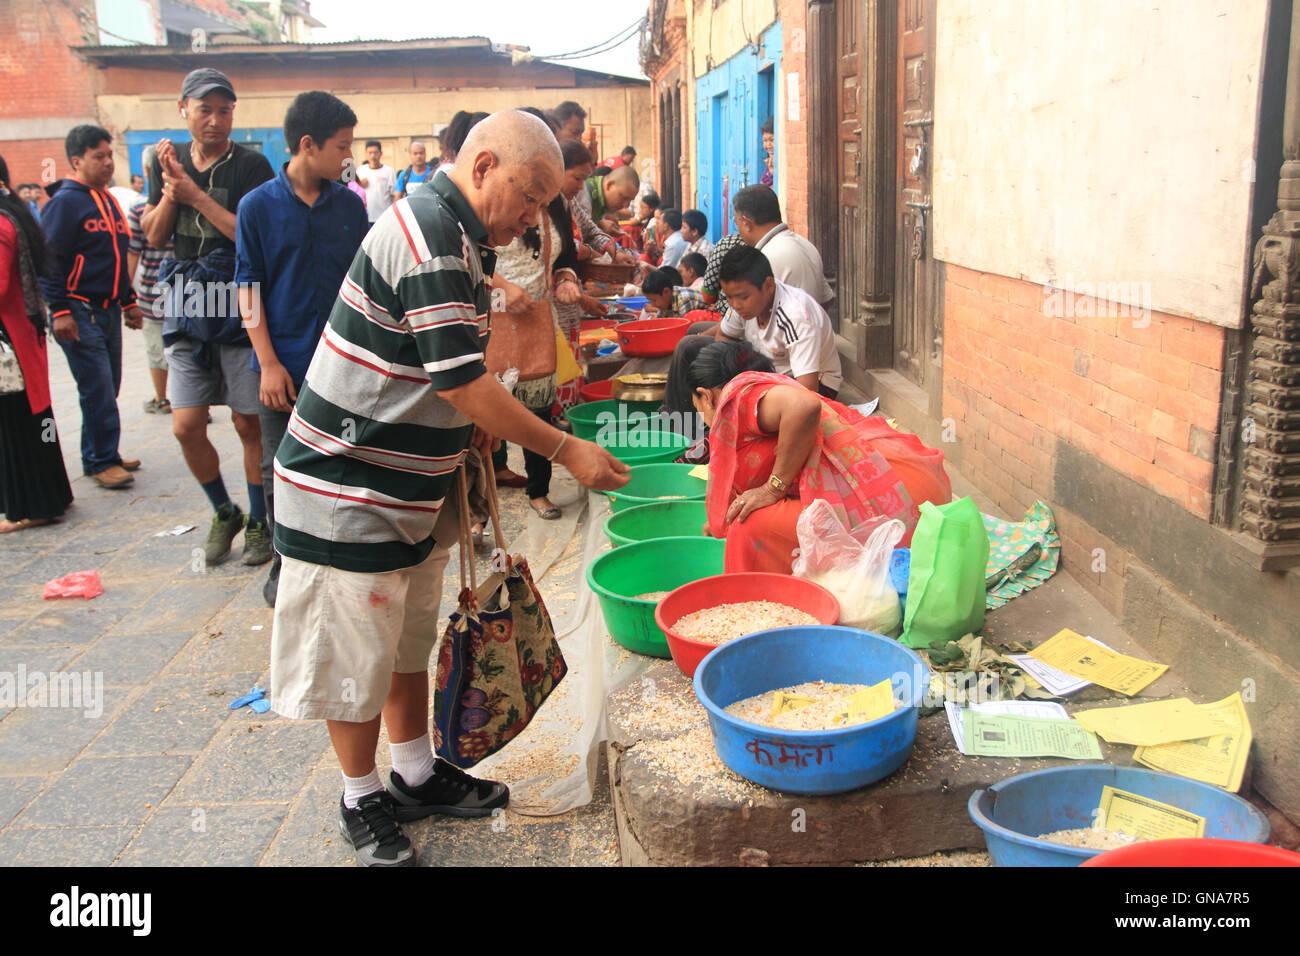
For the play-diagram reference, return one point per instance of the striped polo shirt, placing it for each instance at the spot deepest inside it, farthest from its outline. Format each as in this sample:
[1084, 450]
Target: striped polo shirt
[371, 450]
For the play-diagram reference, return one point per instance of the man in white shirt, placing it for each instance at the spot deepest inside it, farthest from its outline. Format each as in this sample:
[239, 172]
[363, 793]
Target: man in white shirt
[780, 321]
[379, 181]
[795, 261]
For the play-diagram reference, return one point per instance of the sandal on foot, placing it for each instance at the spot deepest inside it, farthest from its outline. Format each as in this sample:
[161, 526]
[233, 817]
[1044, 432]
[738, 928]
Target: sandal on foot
[547, 514]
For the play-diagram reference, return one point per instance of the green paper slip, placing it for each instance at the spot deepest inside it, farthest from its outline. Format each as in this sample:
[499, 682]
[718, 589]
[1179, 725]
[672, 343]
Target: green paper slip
[1001, 735]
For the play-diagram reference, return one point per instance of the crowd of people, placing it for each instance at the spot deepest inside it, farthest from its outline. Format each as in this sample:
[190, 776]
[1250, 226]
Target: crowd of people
[354, 361]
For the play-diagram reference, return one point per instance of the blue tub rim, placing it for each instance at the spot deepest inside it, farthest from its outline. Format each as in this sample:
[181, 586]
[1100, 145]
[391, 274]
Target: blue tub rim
[988, 825]
[921, 684]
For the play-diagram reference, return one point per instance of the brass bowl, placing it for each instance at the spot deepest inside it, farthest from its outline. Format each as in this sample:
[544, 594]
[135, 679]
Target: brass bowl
[639, 388]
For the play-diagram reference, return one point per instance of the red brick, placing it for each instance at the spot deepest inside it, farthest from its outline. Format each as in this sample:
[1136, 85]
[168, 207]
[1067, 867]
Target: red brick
[957, 275]
[1081, 438]
[1133, 384]
[1206, 382]
[1028, 295]
[1197, 410]
[1171, 430]
[1202, 344]
[1122, 460]
[1093, 419]
[1166, 369]
[1197, 472]
[1119, 352]
[1168, 484]
[1200, 502]
[1139, 443]
[1145, 331]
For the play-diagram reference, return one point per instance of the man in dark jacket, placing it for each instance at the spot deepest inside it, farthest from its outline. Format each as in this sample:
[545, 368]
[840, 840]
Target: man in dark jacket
[194, 191]
[89, 293]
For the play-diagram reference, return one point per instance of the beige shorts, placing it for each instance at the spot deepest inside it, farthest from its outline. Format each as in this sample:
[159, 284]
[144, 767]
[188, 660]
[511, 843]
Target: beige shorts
[339, 636]
[153, 345]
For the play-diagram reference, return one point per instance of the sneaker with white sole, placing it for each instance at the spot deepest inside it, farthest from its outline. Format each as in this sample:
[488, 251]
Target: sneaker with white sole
[450, 791]
[374, 832]
[224, 528]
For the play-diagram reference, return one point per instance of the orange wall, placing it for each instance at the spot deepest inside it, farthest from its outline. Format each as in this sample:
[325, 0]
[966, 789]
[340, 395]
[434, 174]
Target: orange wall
[1141, 394]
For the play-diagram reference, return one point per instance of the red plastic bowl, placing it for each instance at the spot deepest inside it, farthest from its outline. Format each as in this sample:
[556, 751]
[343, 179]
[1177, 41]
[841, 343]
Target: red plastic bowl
[649, 338]
[1202, 852]
[734, 589]
[597, 391]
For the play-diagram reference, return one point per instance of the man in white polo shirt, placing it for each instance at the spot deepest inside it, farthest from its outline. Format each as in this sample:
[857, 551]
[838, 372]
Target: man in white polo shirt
[795, 261]
[780, 321]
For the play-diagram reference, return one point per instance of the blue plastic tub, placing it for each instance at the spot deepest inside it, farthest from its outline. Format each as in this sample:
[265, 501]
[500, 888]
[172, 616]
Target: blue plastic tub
[633, 302]
[811, 761]
[1018, 810]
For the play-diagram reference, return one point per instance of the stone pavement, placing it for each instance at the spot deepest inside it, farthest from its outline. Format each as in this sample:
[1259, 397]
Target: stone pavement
[158, 770]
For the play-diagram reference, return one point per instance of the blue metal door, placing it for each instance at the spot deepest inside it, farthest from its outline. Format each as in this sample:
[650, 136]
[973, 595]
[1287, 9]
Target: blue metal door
[268, 141]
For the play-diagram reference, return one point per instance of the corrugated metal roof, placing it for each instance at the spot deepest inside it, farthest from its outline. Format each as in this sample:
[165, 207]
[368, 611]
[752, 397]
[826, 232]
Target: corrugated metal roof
[104, 55]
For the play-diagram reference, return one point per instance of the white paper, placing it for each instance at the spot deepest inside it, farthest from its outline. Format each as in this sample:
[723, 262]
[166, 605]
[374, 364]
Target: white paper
[1055, 682]
[179, 529]
[1017, 708]
[792, 97]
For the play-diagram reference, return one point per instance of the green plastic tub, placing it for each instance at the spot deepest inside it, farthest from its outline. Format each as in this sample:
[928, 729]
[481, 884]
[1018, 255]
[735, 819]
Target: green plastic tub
[646, 447]
[657, 483]
[588, 418]
[663, 564]
[660, 519]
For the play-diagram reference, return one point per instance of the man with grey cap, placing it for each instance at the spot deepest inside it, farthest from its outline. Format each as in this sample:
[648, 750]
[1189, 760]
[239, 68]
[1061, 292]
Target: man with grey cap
[194, 190]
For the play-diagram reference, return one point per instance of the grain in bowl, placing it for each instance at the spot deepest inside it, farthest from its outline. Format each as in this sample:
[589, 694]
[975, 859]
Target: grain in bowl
[726, 622]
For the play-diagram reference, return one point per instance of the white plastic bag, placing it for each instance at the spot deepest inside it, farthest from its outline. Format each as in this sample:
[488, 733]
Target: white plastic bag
[852, 565]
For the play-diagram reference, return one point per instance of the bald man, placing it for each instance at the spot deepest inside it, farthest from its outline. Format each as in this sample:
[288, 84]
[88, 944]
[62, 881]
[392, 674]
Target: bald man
[611, 193]
[365, 502]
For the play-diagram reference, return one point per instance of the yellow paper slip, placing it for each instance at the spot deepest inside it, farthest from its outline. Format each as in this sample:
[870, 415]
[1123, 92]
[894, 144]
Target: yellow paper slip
[1079, 657]
[700, 471]
[1149, 819]
[871, 702]
[1152, 724]
[1219, 760]
[784, 703]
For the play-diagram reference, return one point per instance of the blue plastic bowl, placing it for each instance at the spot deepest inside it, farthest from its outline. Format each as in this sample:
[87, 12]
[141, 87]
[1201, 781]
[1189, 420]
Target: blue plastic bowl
[811, 761]
[634, 302]
[1015, 812]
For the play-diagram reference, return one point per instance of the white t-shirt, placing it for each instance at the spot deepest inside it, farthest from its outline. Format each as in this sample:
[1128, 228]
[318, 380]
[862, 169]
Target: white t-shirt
[379, 193]
[798, 337]
[796, 261]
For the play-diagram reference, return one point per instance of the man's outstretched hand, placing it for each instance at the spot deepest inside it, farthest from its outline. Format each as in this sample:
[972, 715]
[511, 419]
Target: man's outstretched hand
[593, 466]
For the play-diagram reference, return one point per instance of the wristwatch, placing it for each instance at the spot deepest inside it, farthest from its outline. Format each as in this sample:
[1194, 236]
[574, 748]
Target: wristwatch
[777, 484]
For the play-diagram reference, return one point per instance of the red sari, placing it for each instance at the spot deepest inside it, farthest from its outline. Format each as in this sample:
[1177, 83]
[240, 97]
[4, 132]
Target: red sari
[864, 468]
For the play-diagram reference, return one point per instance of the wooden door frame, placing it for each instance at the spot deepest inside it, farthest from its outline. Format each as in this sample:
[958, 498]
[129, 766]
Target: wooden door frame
[866, 327]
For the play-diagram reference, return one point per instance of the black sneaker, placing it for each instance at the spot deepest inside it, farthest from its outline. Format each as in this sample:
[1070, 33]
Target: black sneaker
[450, 790]
[374, 832]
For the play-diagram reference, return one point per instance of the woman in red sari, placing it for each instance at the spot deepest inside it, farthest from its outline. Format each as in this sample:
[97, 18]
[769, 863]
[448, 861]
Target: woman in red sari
[34, 487]
[775, 446]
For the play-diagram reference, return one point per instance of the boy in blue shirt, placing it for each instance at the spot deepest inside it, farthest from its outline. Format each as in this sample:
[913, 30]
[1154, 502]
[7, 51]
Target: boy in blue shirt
[297, 235]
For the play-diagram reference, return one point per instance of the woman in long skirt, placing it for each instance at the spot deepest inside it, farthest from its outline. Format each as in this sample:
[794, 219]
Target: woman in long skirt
[34, 488]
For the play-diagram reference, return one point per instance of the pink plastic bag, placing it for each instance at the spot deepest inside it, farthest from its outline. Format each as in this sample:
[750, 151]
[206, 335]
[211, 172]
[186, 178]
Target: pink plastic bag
[82, 584]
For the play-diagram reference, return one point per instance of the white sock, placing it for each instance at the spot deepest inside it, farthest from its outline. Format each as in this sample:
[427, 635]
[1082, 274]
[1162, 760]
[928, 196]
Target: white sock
[354, 788]
[413, 760]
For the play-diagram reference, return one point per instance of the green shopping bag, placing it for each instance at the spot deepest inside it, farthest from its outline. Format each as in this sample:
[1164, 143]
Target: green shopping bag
[945, 587]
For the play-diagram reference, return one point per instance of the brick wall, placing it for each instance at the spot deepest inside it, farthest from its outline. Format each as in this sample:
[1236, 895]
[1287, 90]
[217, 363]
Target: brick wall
[1141, 394]
[42, 78]
[792, 146]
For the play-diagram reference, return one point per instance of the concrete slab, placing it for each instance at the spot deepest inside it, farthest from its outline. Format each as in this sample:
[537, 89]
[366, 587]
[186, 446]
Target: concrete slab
[677, 805]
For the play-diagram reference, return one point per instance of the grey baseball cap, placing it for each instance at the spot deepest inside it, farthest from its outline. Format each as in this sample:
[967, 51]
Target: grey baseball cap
[206, 80]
